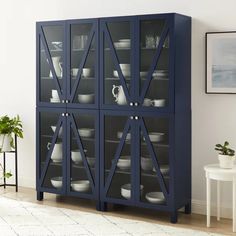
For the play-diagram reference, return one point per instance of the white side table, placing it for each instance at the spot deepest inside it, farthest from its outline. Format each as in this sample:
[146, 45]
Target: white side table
[214, 172]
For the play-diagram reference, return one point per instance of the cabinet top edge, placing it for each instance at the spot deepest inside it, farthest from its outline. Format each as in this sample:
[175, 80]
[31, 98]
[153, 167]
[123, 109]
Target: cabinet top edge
[171, 14]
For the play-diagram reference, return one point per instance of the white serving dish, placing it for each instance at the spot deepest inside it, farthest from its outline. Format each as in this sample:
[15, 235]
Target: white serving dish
[54, 129]
[124, 162]
[91, 161]
[80, 185]
[86, 132]
[156, 136]
[155, 197]
[86, 98]
[56, 182]
[126, 191]
[57, 45]
[120, 133]
[76, 156]
[146, 163]
[54, 100]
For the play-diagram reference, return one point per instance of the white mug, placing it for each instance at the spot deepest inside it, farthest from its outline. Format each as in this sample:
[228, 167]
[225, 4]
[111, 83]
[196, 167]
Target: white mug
[147, 102]
[55, 94]
[74, 71]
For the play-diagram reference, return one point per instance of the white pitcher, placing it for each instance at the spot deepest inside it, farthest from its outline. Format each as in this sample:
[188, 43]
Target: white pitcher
[119, 95]
[57, 152]
[57, 66]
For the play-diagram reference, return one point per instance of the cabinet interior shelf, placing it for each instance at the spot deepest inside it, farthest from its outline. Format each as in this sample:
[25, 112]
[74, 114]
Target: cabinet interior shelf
[107, 79]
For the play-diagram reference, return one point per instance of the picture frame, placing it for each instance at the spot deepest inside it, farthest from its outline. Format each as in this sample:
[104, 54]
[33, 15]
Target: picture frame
[220, 62]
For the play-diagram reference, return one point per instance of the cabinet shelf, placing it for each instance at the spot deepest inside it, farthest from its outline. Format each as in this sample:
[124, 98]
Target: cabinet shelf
[143, 79]
[82, 138]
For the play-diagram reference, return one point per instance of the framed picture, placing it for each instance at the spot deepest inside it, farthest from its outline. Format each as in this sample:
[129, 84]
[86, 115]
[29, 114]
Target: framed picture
[221, 62]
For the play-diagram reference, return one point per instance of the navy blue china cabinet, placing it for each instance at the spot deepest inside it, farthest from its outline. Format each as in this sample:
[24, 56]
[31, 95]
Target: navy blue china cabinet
[114, 110]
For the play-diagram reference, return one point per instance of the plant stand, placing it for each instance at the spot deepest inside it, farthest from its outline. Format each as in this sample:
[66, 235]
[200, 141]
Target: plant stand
[4, 168]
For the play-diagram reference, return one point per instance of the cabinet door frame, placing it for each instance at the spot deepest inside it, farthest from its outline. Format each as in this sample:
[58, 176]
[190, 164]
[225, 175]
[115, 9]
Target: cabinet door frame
[42, 171]
[104, 189]
[93, 35]
[104, 34]
[40, 35]
[168, 30]
[70, 118]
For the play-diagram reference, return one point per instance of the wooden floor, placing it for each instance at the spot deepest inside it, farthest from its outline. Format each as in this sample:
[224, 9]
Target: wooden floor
[193, 221]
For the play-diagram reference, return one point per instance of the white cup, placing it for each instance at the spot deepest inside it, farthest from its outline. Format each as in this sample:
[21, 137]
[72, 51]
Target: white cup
[74, 71]
[158, 102]
[55, 94]
[147, 102]
[87, 72]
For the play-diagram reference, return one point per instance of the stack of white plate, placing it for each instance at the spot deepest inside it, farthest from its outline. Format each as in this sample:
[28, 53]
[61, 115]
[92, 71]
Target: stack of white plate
[155, 197]
[160, 73]
[80, 185]
[122, 43]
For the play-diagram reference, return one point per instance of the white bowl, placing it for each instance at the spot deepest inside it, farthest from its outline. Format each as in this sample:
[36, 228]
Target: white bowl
[159, 102]
[74, 71]
[76, 156]
[86, 98]
[124, 40]
[122, 44]
[124, 162]
[126, 190]
[87, 72]
[91, 161]
[146, 163]
[86, 132]
[165, 169]
[125, 67]
[156, 136]
[80, 185]
[120, 133]
[155, 197]
[143, 73]
[56, 182]
[54, 129]
[54, 100]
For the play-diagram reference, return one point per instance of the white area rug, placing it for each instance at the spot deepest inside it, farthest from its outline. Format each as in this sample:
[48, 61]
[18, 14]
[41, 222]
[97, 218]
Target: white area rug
[25, 218]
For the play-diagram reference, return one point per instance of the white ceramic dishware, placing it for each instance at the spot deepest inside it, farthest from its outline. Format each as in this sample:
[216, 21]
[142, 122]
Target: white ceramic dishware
[56, 182]
[165, 169]
[57, 45]
[55, 94]
[80, 185]
[147, 102]
[124, 162]
[86, 132]
[91, 161]
[146, 163]
[54, 100]
[119, 95]
[74, 71]
[125, 67]
[86, 98]
[156, 136]
[155, 197]
[79, 42]
[120, 133]
[76, 156]
[158, 102]
[54, 129]
[87, 72]
[57, 152]
[126, 191]
[143, 73]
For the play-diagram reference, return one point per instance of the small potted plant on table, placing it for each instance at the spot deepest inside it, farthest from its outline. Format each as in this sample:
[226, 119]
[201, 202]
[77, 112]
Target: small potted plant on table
[8, 128]
[226, 155]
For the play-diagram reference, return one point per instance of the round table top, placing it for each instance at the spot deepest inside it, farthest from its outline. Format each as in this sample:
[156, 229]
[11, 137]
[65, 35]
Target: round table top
[216, 169]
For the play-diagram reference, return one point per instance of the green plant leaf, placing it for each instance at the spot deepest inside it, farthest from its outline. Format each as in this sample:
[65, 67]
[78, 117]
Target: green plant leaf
[8, 175]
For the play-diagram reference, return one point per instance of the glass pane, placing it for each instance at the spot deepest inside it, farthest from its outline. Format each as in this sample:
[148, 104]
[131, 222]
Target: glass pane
[85, 131]
[158, 132]
[54, 43]
[150, 35]
[48, 126]
[85, 89]
[120, 186]
[121, 42]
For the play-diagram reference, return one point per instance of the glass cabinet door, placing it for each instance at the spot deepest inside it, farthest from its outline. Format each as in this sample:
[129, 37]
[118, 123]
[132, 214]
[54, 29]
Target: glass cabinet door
[154, 64]
[51, 150]
[82, 152]
[51, 63]
[117, 65]
[154, 167]
[117, 181]
[83, 72]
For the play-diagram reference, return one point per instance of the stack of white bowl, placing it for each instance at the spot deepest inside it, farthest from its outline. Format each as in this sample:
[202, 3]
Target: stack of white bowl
[122, 43]
[160, 73]
[125, 69]
[55, 97]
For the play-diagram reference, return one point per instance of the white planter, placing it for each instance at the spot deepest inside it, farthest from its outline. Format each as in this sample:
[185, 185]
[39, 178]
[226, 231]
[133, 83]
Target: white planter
[226, 162]
[5, 140]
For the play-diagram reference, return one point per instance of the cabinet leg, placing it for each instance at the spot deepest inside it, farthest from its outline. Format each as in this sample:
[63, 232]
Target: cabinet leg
[39, 196]
[187, 208]
[174, 217]
[101, 206]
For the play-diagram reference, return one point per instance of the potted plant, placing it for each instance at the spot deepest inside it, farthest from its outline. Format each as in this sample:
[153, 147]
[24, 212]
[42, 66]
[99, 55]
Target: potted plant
[8, 127]
[226, 155]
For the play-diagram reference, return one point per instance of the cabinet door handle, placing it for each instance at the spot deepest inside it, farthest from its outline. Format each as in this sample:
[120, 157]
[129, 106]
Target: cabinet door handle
[136, 104]
[67, 101]
[131, 117]
[131, 104]
[63, 101]
[136, 117]
[63, 114]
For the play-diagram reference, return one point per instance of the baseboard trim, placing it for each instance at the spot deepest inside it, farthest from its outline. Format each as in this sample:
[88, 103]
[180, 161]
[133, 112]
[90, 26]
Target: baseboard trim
[199, 207]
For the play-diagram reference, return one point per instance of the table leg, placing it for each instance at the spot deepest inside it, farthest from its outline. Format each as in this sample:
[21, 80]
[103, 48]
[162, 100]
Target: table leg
[218, 200]
[234, 204]
[208, 201]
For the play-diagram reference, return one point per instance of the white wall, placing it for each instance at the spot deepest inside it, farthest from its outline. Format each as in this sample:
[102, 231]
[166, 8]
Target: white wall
[214, 116]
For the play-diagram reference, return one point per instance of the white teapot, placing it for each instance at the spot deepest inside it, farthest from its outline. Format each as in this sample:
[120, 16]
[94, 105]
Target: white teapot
[119, 95]
[57, 152]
